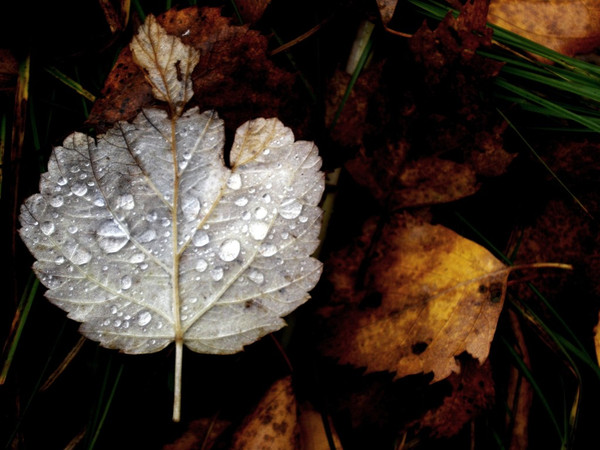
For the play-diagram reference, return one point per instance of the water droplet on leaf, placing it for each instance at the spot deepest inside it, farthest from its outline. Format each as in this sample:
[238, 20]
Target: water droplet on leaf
[290, 208]
[47, 228]
[235, 181]
[229, 250]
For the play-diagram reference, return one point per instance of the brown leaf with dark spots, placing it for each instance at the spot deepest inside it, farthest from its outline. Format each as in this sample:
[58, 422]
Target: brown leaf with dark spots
[420, 297]
[273, 423]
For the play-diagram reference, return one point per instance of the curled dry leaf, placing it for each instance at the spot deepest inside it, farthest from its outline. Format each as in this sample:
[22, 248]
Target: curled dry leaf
[146, 237]
[427, 295]
[570, 27]
[157, 53]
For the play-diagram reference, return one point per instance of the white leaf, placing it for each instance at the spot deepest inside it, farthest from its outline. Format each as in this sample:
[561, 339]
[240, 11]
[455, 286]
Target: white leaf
[146, 237]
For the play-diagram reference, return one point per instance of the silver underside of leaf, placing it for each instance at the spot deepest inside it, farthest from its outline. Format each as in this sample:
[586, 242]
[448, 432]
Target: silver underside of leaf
[107, 249]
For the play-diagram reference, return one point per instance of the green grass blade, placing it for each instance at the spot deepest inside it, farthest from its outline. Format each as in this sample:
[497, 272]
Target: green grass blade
[67, 81]
[99, 420]
[548, 168]
[21, 315]
[366, 53]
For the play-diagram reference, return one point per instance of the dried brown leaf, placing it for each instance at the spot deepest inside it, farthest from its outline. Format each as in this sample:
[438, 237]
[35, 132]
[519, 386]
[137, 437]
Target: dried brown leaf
[386, 9]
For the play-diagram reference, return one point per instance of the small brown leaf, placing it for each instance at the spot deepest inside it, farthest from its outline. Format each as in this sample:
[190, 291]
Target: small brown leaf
[386, 9]
[252, 10]
[428, 296]
[432, 181]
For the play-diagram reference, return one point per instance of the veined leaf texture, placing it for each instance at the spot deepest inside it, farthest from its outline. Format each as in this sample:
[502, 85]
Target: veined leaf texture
[147, 237]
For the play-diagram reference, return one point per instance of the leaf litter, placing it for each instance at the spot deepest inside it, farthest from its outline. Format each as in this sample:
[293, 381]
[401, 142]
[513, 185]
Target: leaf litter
[127, 226]
[395, 169]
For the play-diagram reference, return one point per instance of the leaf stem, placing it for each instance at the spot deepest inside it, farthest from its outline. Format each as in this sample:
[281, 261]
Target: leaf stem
[177, 389]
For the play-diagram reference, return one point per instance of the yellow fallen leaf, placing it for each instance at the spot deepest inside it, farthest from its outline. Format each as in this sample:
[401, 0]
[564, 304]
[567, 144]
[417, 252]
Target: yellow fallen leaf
[427, 296]
[570, 27]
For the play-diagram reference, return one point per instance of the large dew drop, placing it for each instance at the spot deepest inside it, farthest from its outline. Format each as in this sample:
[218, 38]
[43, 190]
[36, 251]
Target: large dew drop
[229, 250]
[190, 207]
[79, 189]
[47, 228]
[235, 181]
[144, 318]
[256, 276]
[290, 208]
[80, 256]
[258, 230]
[111, 237]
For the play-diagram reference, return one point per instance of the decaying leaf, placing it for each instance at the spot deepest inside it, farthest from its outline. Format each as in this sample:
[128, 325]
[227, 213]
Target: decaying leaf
[167, 62]
[386, 9]
[472, 392]
[570, 27]
[273, 424]
[234, 74]
[146, 237]
[425, 296]
[425, 181]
